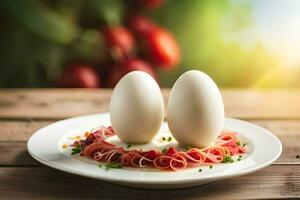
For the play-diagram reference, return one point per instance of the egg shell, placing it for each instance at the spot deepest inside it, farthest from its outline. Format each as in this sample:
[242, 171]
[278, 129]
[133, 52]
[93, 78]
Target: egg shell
[136, 108]
[195, 112]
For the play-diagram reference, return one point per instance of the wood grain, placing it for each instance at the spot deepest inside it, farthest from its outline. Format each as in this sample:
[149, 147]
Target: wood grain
[20, 130]
[43, 183]
[15, 154]
[24, 111]
[63, 103]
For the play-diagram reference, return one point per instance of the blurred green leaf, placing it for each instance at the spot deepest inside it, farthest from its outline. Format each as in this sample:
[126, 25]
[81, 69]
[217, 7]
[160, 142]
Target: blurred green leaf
[28, 61]
[90, 45]
[40, 20]
[111, 12]
[38, 37]
[202, 38]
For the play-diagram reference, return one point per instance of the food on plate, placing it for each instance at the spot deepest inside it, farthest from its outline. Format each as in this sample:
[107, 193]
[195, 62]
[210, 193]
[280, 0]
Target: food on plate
[136, 108]
[195, 111]
[195, 119]
[225, 149]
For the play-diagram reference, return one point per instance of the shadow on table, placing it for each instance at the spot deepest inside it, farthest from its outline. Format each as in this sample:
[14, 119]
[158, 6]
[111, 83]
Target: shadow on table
[37, 182]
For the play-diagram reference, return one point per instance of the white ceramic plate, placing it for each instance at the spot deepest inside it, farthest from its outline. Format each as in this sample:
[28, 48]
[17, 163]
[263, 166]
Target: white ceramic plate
[263, 148]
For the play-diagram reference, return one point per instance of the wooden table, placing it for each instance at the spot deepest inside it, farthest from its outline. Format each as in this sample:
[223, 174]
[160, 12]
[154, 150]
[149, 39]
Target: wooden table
[22, 112]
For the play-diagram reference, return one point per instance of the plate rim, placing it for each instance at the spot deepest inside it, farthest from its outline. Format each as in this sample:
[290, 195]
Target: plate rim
[155, 181]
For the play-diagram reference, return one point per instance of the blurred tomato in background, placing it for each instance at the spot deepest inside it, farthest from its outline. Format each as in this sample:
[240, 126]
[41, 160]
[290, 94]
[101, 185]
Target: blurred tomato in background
[128, 65]
[105, 39]
[79, 75]
[93, 43]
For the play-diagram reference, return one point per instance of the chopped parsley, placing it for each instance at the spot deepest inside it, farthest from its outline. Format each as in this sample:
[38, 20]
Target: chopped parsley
[113, 165]
[129, 145]
[239, 158]
[238, 143]
[200, 170]
[76, 150]
[210, 166]
[163, 138]
[227, 159]
[187, 147]
[244, 144]
[169, 139]
[164, 150]
[100, 165]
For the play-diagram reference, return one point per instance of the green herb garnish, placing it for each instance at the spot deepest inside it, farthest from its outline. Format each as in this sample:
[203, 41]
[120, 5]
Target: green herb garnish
[76, 150]
[187, 147]
[210, 166]
[239, 158]
[164, 150]
[169, 139]
[100, 165]
[200, 170]
[113, 165]
[244, 144]
[227, 159]
[163, 138]
[129, 145]
[238, 143]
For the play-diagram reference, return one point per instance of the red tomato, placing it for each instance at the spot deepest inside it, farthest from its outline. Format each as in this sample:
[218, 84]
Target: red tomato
[140, 25]
[132, 64]
[79, 76]
[163, 48]
[119, 38]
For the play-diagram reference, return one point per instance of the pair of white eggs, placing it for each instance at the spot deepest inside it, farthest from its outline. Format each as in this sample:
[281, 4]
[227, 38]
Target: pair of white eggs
[195, 110]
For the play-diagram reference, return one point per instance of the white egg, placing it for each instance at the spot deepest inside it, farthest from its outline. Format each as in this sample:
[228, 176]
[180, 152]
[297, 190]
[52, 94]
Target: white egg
[195, 109]
[136, 108]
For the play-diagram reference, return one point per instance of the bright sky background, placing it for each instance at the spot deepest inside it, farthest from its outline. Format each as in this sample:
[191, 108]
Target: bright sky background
[277, 24]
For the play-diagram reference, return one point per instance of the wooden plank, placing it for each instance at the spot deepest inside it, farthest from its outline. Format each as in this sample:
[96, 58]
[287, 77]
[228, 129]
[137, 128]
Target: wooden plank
[20, 130]
[52, 103]
[262, 104]
[280, 127]
[62, 103]
[278, 181]
[16, 154]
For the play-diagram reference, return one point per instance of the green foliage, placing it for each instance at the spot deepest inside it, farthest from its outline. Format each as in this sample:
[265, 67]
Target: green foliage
[38, 38]
[108, 11]
[201, 28]
[39, 19]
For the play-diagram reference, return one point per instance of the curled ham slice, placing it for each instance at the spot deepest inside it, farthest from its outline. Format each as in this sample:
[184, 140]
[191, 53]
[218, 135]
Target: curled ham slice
[98, 146]
[95, 147]
[194, 157]
[162, 162]
[178, 162]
